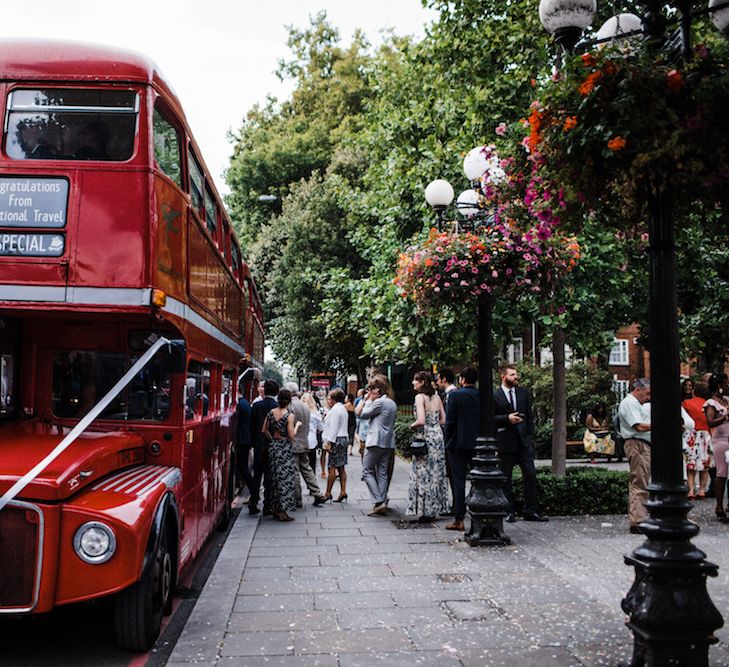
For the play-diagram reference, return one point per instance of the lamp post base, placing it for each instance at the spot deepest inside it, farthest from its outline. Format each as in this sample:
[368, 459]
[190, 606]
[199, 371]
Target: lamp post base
[672, 616]
[486, 503]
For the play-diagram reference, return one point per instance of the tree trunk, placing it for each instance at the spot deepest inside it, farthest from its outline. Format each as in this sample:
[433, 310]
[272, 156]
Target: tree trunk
[559, 406]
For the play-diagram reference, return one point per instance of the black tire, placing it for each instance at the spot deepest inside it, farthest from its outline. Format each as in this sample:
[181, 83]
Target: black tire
[227, 513]
[138, 610]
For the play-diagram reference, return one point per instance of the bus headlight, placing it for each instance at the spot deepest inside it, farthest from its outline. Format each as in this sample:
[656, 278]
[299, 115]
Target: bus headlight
[94, 542]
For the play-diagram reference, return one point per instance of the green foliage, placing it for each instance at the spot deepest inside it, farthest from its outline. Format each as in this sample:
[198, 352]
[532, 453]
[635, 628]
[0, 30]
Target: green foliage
[581, 491]
[280, 144]
[403, 433]
[586, 384]
[703, 287]
[272, 371]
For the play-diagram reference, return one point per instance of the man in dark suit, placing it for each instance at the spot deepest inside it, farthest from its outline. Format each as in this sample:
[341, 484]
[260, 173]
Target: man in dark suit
[259, 410]
[243, 439]
[514, 436]
[461, 431]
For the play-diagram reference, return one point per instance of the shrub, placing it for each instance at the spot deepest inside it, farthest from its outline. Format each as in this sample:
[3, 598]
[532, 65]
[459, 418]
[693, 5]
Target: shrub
[583, 490]
[403, 433]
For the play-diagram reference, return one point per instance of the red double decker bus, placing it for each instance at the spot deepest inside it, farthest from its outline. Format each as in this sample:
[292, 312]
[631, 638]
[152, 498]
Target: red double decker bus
[126, 319]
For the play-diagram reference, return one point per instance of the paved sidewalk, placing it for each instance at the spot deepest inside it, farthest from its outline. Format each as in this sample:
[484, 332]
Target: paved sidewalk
[336, 588]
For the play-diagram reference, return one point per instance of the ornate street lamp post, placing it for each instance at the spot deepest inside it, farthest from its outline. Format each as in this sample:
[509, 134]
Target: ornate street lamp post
[671, 614]
[486, 503]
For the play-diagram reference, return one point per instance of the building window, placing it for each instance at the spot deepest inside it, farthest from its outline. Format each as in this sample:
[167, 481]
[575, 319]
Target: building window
[620, 388]
[515, 351]
[619, 353]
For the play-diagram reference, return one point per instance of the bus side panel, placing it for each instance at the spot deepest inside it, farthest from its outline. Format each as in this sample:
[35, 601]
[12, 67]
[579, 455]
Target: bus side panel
[211, 285]
[168, 257]
[113, 207]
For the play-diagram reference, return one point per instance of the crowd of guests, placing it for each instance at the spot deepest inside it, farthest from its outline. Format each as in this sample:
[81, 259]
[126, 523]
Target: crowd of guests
[282, 430]
[705, 441]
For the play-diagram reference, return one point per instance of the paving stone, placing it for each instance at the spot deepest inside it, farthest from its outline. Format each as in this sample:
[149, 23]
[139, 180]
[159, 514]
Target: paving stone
[283, 560]
[287, 586]
[292, 550]
[495, 633]
[280, 661]
[400, 659]
[343, 571]
[391, 617]
[267, 574]
[362, 600]
[257, 643]
[260, 621]
[353, 641]
[603, 655]
[509, 657]
[274, 602]
[355, 561]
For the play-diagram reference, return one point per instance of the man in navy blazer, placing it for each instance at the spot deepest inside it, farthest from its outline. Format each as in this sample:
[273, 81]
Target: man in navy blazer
[461, 431]
[259, 411]
[514, 437]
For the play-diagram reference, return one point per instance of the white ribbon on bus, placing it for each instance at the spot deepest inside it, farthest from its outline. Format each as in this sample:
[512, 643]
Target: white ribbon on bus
[77, 430]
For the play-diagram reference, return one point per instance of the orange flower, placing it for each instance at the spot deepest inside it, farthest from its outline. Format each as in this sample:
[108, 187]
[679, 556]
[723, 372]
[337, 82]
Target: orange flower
[609, 68]
[589, 83]
[675, 81]
[429, 262]
[570, 123]
[616, 144]
[535, 124]
[588, 60]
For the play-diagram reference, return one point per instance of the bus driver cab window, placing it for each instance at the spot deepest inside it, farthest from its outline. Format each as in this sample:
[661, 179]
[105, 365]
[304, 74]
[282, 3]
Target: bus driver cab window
[8, 368]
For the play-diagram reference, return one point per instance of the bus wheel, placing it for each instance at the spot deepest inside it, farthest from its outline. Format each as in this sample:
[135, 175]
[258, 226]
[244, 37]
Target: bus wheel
[139, 609]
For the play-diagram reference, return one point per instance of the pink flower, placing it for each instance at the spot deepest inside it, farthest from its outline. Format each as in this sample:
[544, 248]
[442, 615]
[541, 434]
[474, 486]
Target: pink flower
[501, 129]
[446, 284]
[483, 286]
[494, 274]
[454, 275]
[463, 283]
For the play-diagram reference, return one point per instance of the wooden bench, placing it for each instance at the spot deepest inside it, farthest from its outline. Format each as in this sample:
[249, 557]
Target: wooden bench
[574, 449]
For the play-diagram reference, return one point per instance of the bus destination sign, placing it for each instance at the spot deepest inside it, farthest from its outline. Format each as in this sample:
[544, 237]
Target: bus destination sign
[33, 202]
[31, 245]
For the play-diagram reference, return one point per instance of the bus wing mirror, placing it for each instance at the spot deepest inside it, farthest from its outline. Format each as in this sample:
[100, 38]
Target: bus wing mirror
[175, 356]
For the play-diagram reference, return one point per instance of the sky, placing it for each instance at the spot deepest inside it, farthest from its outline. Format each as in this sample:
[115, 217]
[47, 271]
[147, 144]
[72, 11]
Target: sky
[219, 55]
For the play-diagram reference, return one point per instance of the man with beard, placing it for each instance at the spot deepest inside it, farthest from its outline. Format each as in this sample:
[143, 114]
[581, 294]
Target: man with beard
[514, 437]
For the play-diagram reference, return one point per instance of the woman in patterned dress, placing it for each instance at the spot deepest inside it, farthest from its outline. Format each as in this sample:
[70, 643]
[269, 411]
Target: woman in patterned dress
[428, 490]
[279, 430]
[697, 452]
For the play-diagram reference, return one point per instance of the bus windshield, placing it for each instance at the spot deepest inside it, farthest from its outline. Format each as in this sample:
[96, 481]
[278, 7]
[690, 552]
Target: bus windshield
[71, 124]
[82, 378]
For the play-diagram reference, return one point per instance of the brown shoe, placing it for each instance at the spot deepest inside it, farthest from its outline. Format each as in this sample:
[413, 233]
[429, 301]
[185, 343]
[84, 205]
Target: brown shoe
[456, 525]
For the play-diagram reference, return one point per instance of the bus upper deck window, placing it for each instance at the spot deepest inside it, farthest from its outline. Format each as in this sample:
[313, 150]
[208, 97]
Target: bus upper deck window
[71, 124]
[196, 183]
[166, 147]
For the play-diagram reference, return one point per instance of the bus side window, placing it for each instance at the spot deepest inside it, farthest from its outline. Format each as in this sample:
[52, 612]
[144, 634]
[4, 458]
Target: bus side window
[226, 391]
[166, 147]
[211, 214]
[7, 378]
[196, 184]
[197, 390]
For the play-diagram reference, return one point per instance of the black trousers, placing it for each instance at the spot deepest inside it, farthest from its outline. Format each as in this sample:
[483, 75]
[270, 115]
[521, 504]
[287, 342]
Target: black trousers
[260, 472]
[524, 458]
[460, 463]
[245, 476]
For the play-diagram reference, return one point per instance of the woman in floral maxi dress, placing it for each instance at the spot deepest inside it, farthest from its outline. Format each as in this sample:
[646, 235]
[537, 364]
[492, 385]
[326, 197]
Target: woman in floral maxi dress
[428, 490]
[279, 427]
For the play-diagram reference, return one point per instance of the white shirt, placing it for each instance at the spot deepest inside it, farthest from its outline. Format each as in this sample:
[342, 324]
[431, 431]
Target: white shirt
[508, 395]
[315, 426]
[336, 423]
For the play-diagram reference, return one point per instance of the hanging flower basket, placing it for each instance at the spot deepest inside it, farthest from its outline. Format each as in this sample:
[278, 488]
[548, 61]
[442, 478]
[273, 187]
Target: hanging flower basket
[614, 123]
[451, 265]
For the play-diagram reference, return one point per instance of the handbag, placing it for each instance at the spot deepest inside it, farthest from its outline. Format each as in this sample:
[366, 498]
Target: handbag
[418, 447]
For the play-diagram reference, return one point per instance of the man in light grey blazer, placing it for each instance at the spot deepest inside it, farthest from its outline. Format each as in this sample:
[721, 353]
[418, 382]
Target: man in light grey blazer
[379, 443]
[300, 446]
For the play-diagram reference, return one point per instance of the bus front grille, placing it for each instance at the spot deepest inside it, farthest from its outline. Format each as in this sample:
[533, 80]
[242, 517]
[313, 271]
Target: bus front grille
[21, 526]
